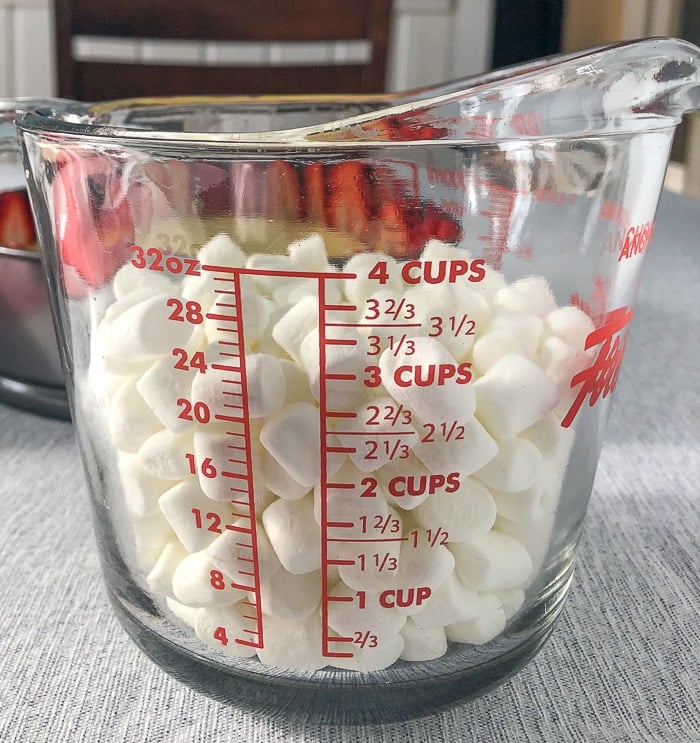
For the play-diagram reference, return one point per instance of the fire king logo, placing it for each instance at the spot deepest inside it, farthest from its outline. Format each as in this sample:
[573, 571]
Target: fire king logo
[636, 240]
[600, 378]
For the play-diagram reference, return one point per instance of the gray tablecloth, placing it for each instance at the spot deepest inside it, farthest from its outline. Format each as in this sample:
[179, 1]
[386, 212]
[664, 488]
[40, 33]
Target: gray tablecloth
[622, 665]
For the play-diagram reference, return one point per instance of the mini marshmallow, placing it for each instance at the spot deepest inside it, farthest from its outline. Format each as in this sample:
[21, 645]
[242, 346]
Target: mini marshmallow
[552, 439]
[293, 644]
[488, 624]
[425, 566]
[387, 433]
[309, 253]
[534, 536]
[144, 330]
[278, 480]
[291, 329]
[491, 283]
[220, 627]
[463, 513]
[561, 363]
[296, 385]
[265, 385]
[160, 578]
[451, 602]
[289, 596]
[292, 437]
[151, 534]
[412, 379]
[266, 283]
[524, 506]
[571, 324]
[359, 289]
[515, 468]
[232, 553]
[469, 449]
[527, 295]
[185, 614]
[161, 387]
[196, 582]
[365, 610]
[512, 395]
[422, 643]
[164, 454]
[193, 517]
[294, 534]
[528, 327]
[129, 419]
[511, 601]
[492, 562]
[130, 279]
[493, 346]
[372, 650]
[350, 358]
[140, 488]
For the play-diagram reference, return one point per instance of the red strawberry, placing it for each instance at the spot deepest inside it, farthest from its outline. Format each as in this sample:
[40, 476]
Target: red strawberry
[93, 221]
[282, 192]
[390, 231]
[16, 224]
[247, 189]
[210, 189]
[350, 198]
[314, 192]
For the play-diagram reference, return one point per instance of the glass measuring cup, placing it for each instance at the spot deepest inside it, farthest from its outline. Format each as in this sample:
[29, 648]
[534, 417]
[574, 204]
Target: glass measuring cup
[340, 391]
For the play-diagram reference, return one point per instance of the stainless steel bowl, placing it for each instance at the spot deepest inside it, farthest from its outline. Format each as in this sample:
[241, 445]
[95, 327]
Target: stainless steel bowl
[31, 375]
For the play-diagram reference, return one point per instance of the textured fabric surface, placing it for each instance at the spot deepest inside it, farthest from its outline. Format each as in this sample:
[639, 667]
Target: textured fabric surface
[623, 662]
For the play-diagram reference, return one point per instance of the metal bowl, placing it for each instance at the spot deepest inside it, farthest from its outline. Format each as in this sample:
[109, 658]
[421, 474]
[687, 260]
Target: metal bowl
[31, 375]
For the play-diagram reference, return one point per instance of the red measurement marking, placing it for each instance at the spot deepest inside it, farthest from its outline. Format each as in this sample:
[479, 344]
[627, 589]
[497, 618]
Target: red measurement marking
[342, 639]
[340, 307]
[341, 342]
[340, 414]
[340, 599]
[239, 529]
[338, 561]
[270, 272]
[229, 418]
[341, 449]
[340, 485]
[341, 524]
[226, 367]
[374, 324]
[235, 475]
[370, 540]
[219, 316]
[342, 377]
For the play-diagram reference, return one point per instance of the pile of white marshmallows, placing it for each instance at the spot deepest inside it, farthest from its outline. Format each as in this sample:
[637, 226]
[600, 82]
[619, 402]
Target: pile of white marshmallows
[450, 527]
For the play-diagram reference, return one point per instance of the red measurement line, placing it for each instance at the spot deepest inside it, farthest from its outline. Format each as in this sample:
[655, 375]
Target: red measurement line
[224, 291]
[270, 272]
[245, 559]
[229, 343]
[247, 603]
[339, 562]
[340, 414]
[341, 639]
[341, 485]
[228, 393]
[238, 461]
[378, 539]
[249, 644]
[239, 529]
[240, 515]
[235, 475]
[226, 304]
[230, 355]
[341, 449]
[341, 524]
[378, 434]
[342, 377]
[340, 598]
[239, 502]
[229, 418]
[239, 490]
[233, 446]
[226, 367]
[374, 324]
[333, 307]
[226, 330]
[243, 544]
[341, 342]
[248, 573]
[219, 316]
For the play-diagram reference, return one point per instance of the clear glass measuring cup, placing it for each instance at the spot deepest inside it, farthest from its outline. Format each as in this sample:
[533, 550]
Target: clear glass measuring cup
[340, 372]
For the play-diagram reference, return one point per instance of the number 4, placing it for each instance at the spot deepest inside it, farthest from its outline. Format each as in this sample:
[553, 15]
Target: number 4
[220, 635]
[379, 272]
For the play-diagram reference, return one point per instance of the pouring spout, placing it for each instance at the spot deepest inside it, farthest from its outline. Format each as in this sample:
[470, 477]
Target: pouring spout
[624, 88]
